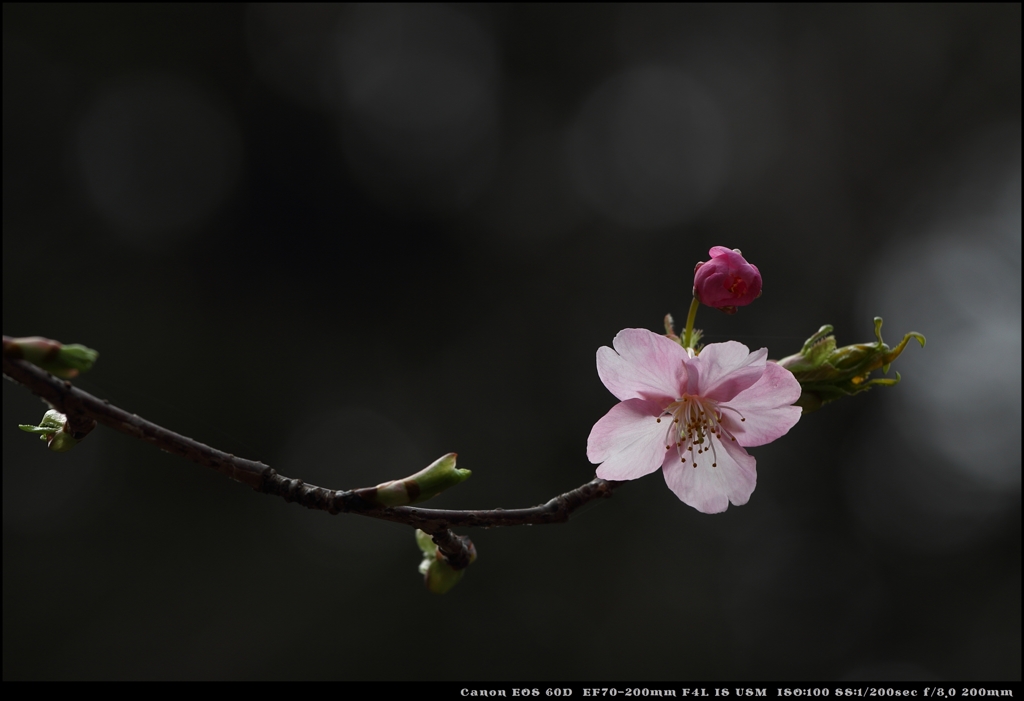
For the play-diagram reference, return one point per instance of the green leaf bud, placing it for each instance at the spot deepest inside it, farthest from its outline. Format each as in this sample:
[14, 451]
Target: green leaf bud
[438, 575]
[64, 361]
[425, 484]
[54, 430]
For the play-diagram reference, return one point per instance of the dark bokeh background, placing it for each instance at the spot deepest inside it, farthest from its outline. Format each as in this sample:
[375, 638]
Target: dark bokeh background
[346, 240]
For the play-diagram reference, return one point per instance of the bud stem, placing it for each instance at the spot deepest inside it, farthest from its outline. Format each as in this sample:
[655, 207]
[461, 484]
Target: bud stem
[690, 318]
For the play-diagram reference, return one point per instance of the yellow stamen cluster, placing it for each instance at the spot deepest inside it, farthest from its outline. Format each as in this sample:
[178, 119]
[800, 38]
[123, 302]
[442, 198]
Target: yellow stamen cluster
[695, 420]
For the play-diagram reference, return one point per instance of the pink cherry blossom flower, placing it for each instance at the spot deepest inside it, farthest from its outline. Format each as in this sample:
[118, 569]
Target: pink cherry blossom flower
[726, 281]
[691, 415]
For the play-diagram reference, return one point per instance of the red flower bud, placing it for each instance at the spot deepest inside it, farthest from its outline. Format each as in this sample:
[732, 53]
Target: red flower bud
[727, 281]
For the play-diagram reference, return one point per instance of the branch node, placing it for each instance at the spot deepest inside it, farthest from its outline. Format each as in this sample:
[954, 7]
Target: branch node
[457, 550]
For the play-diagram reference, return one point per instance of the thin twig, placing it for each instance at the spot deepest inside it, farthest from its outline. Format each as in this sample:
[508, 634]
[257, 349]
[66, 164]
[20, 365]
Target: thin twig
[84, 411]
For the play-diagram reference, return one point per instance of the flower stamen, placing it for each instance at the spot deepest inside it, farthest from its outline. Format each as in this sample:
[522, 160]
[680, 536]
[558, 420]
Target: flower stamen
[696, 424]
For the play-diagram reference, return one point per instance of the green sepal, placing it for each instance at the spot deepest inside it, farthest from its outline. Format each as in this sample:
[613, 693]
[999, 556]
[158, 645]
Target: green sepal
[64, 361]
[425, 484]
[826, 373]
[53, 430]
[695, 337]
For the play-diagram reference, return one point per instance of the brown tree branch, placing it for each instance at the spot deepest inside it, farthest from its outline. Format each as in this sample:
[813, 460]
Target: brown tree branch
[84, 411]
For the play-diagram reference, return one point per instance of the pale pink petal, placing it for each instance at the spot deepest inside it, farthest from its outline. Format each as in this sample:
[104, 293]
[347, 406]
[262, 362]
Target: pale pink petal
[628, 440]
[644, 365]
[710, 489]
[726, 369]
[766, 407]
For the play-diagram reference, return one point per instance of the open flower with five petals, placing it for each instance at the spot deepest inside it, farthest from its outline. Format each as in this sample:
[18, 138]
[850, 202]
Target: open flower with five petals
[691, 415]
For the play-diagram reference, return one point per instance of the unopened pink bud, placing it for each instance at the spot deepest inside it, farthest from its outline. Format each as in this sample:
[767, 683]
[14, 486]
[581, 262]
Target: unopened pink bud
[727, 281]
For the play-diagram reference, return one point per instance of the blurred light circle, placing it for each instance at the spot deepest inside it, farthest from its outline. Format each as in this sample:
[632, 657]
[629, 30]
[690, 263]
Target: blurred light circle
[156, 156]
[649, 148]
[289, 45]
[964, 401]
[416, 68]
[417, 88]
[942, 469]
[906, 494]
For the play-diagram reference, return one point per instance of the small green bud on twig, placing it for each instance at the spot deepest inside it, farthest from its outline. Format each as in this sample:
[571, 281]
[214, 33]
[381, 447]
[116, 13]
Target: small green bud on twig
[438, 575]
[64, 361]
[54, 430]
[425, 484]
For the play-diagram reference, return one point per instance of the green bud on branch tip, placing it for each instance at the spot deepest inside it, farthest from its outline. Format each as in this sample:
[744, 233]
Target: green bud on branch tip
[64, 361]
[827, 373]
[425, 484]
